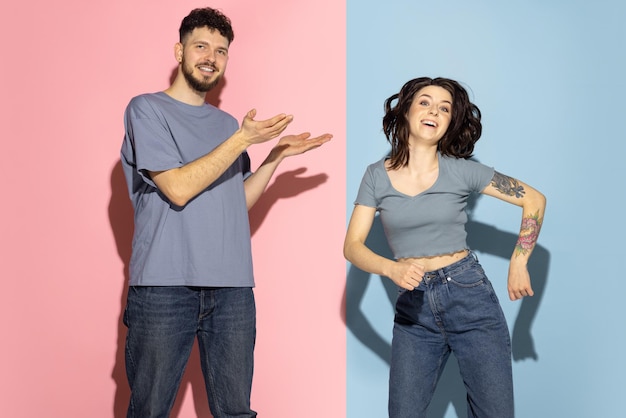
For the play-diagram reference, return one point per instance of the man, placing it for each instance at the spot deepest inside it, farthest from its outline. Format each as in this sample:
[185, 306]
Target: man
[189, 180]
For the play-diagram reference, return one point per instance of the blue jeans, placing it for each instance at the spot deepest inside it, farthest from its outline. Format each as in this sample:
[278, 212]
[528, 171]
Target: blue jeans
[454, 309]
[163, 323]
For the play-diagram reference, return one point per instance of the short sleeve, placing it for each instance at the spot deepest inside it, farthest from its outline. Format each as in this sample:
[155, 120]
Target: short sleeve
[149, 138]
[154, 148]
[475, 175]
[366, 195]
[481, 176]
[245, 165]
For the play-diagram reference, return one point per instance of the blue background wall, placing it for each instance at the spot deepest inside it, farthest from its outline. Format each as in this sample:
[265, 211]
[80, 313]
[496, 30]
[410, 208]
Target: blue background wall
[549, 79]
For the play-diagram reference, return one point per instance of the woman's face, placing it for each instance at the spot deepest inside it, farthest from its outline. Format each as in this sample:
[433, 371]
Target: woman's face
[430, 114]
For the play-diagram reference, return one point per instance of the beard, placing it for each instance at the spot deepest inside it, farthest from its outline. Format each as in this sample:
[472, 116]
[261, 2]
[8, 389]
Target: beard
[202, 85]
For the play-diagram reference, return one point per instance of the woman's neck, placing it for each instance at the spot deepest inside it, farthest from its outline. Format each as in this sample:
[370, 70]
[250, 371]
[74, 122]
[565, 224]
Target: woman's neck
[423, 158]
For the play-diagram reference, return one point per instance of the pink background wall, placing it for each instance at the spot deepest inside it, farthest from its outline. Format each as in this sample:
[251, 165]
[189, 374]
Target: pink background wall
[69, 69]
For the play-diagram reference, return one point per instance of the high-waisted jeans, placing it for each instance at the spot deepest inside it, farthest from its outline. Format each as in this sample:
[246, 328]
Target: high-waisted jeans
[163, 323]
[454, 309]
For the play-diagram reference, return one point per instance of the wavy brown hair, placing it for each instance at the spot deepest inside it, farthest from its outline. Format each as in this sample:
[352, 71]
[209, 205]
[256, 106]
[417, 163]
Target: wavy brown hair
[458, 141]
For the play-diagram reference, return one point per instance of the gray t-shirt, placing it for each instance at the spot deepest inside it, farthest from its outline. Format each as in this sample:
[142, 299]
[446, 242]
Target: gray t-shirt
[432, 222]
[206, 242]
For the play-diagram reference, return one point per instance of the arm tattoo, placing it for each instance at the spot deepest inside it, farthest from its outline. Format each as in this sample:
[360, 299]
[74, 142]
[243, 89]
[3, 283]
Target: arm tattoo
[507, 185]
[528, 234]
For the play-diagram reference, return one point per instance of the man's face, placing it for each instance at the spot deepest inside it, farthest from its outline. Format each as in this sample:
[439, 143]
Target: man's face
[203, 56]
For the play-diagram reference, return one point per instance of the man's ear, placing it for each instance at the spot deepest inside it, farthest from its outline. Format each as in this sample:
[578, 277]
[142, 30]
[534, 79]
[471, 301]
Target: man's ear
[178, 52]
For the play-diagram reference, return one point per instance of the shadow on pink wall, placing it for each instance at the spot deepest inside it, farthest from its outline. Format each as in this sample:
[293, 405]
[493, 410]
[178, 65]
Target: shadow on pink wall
[285, 185]
[121, 220]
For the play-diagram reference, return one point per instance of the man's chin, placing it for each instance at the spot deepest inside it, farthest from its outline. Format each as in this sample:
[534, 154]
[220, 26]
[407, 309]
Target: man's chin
[205, 87]
[202, 86]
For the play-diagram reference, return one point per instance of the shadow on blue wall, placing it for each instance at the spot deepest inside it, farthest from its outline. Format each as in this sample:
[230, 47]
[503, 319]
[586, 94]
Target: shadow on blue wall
[484, 239]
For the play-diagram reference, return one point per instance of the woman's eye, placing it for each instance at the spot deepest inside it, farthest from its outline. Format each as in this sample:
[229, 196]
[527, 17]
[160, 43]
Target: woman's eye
[445, 109]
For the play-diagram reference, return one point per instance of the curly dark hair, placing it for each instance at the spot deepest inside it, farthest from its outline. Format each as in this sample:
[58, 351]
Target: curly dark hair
[458, 141]
[206, 17]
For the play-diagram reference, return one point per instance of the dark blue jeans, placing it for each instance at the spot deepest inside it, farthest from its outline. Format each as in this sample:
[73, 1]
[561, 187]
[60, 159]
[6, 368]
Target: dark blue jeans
[454, 309]
[163, 323]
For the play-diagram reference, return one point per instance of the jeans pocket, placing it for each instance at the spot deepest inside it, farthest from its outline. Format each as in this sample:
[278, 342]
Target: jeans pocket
[473, 279]
[468, 278]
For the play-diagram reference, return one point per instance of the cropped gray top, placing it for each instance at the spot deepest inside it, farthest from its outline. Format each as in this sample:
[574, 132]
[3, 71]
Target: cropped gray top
[432, 222]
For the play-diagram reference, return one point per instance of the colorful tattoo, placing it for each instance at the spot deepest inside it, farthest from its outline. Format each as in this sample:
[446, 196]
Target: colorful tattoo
[507, 185]
[529, 232]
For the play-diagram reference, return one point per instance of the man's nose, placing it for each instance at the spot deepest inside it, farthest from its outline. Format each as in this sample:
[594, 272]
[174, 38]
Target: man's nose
[210, 56]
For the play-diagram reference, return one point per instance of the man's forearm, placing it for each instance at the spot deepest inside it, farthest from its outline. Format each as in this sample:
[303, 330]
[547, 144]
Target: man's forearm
[182, 184]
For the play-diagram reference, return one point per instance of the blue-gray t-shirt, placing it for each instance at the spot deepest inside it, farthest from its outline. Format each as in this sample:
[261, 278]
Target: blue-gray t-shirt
[206, 242]
[432, 222]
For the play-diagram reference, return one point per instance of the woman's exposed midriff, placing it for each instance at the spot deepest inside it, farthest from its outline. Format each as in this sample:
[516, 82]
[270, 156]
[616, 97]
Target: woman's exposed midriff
[438, 261]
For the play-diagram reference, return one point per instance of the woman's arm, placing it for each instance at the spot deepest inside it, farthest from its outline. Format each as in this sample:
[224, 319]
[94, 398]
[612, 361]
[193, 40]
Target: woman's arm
[533, 205]
[405, 274]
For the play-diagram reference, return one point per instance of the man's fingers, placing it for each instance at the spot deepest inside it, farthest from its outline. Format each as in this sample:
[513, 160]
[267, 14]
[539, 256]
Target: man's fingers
[276, 125]
[277, 121]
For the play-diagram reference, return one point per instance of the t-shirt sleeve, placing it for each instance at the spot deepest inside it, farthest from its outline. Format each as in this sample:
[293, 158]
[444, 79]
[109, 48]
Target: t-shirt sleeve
[151, 141]
[478, 175]
[366, 195]
[246, 165]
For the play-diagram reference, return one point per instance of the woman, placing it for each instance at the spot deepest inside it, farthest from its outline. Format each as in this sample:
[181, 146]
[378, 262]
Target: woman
[445, 302]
